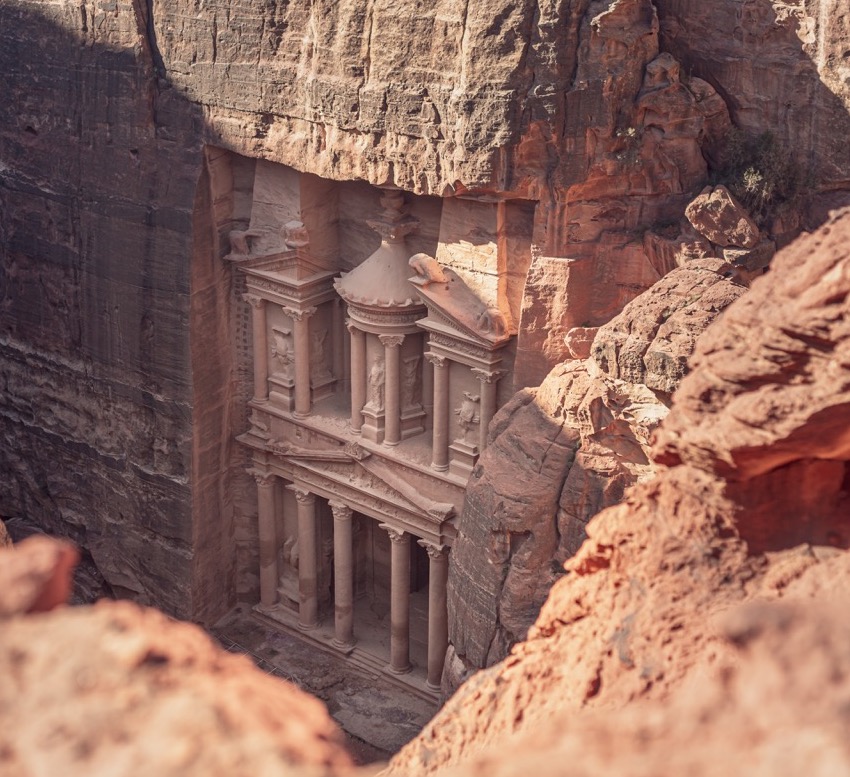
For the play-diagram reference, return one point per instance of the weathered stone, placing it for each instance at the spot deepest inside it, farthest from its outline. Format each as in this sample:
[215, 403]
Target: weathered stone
[116, 688]
[718, 216]
[565, 451]
[651, 340]
[36, 575]
[579, 340]
[759, 452]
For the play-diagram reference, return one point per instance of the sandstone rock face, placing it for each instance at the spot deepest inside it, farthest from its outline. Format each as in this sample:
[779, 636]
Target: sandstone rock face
[121, 381]
[775, 423]
[560, 453]
[772, 703]
[782, 66]
[748, 434]
[120, 689]
[720, 218]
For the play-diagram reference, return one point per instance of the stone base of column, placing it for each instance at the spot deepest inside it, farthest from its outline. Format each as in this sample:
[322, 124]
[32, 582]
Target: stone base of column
[434, 688]
[343, 647]
[373, 425]
[463, 456]
[393, 670]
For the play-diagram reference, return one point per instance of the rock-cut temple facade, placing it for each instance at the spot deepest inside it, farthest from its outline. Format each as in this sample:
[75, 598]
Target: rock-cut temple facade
[373, 388]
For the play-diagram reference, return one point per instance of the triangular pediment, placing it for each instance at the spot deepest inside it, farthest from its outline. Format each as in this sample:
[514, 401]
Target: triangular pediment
[453, 306]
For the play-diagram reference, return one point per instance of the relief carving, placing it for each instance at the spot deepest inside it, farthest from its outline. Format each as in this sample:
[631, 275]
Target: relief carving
[319, 372]
[283, 351]
[376, 386]
[469, 415]
[411, 382]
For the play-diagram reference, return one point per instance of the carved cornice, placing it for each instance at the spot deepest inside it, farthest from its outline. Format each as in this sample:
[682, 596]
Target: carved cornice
[391, 341]
[456, 344]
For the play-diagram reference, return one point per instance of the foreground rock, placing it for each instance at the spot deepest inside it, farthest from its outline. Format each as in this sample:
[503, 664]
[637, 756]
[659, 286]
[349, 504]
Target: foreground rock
[564, 451]
[632, 617]
[771, 704]
[118, 689]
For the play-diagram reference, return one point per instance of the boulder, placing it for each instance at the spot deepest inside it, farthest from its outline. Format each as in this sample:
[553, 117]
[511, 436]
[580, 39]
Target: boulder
[720, 218]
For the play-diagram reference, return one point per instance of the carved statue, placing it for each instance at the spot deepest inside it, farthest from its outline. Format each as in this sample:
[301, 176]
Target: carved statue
[376, 385]
[492, 321]
[319, 371]
[239, 242]
[295, 235]
[427, 270]
[410, 383]
[282, 351]
[468, 414]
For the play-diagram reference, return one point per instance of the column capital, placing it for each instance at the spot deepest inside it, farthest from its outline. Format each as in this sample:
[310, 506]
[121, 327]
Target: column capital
[340, 510]
[302, 495]
[436, 360]
[262, 478]
[351, 326]
[391, 341]
[254, 300]
[434, 551]
[486, 376]
[396, 535]
[299, 314]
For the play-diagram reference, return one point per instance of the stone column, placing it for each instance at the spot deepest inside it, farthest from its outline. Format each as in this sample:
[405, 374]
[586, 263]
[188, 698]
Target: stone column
[343, 576]
[358, 376]
[260, 346]
[489, 382]
[440, 446]
[308, 588]
[399, 600]
[438, 618]
[268, 538]
[301, 336]
[392, 388]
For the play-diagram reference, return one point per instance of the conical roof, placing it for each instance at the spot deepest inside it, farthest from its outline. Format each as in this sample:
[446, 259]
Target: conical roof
[382, 280]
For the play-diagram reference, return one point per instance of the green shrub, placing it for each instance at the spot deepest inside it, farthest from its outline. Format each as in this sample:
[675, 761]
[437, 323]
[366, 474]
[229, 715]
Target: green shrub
[759, 173]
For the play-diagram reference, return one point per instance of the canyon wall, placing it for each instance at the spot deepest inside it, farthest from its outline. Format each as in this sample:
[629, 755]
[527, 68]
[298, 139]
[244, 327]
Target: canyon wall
[120, 379]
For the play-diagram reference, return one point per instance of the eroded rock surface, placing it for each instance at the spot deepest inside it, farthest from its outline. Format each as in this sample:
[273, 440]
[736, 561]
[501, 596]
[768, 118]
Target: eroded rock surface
[632, 616]
[116, 688]
[560, 453]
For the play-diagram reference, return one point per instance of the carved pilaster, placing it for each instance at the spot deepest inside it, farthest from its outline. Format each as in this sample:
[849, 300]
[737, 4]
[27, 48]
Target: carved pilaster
[259, 345]
[488, 380]
[392, 388]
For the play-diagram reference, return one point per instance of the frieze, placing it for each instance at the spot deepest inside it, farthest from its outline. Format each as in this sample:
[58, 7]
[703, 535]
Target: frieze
[462, 346]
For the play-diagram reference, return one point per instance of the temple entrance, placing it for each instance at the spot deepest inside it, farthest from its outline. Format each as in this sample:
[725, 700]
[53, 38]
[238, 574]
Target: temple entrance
[372, 593]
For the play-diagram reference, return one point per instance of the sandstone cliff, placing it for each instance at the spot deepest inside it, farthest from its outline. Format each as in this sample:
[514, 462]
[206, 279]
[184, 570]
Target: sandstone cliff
[120, 383]
[756, 467]
[560, 453]
[642, 661]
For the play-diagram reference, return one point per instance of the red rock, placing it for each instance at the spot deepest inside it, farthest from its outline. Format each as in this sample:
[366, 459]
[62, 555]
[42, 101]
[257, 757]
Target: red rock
[718, 216]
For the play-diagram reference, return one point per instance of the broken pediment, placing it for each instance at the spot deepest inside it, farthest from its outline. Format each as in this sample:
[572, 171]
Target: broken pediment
[454, 306]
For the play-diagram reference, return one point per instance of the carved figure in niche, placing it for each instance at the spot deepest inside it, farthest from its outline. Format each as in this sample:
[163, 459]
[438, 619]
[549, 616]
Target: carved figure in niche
[282, 351]
[239, 242]
[468, 414]
[288, 565]
[376, 385]
[411, 385]
[492, 321]
[319, 372]
[295, 235]
[427, 270]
